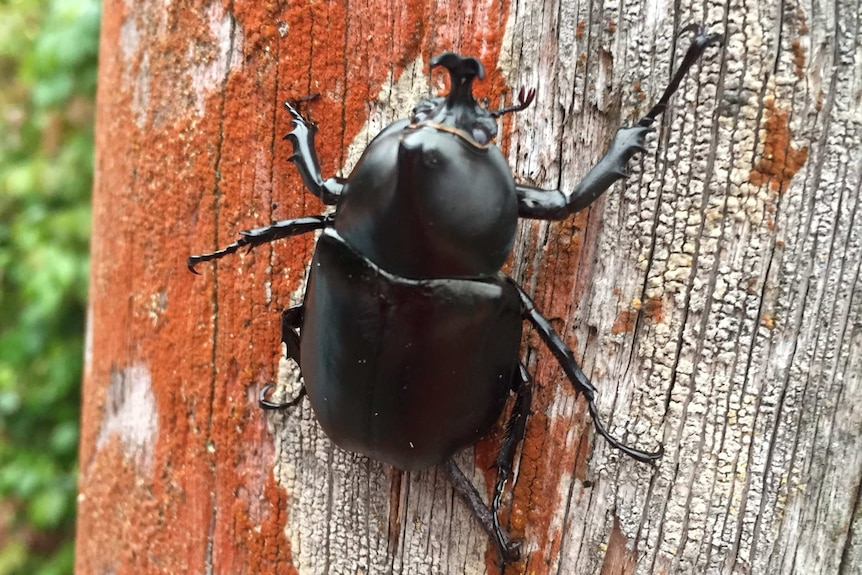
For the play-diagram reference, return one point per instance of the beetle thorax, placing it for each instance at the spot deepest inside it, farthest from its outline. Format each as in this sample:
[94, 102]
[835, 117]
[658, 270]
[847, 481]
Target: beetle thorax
[425, 203]
[432, 196]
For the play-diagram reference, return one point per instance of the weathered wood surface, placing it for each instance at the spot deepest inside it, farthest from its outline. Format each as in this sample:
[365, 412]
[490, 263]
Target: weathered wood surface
[715, 298]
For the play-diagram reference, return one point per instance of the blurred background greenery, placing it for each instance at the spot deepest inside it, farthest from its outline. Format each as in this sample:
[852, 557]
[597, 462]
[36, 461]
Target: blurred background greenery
[48, 55]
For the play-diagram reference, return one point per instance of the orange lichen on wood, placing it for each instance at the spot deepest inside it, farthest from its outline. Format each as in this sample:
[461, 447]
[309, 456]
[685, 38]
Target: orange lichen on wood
[625, 322]
[639, 93]
[579, 31]
[619, 560]
[798, 58]
[780, 160]
[654, 309]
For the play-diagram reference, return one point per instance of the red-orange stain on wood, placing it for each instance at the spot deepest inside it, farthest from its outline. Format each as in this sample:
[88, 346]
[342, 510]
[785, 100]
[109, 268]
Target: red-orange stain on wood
[146, 160]
[624, 322]
[639, 93]
[536, 495]
[618, 559]
[654, 309]
[184, 163]
[798, 58]
[555, 449]
[780, 160]
[767, 321]
[582, 62]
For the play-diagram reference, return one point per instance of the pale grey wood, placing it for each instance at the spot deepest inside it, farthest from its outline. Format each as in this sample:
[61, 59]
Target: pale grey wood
[752, 373]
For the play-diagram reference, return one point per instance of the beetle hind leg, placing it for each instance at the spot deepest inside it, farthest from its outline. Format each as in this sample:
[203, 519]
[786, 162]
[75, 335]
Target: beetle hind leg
[291, 320]
[508, 549]
[515, 430]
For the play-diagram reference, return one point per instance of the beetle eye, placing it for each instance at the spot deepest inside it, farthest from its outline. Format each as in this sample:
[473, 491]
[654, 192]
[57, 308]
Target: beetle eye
[481, 135]
[432, 158]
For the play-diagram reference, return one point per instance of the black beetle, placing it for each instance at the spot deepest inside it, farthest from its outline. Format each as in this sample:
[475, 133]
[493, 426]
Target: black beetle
[409, 332]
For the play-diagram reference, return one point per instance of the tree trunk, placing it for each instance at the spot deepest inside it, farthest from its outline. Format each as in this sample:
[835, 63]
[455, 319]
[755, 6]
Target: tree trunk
[714, 297]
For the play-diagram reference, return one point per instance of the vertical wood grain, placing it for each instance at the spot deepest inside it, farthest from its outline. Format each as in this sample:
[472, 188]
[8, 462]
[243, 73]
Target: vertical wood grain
[714, 297]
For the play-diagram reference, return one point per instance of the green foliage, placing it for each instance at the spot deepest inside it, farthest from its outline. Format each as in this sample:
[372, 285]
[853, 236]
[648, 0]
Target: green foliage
[48, 52]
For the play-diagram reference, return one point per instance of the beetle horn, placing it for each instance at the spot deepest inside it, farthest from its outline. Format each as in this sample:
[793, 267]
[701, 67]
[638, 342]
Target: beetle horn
[462, 71]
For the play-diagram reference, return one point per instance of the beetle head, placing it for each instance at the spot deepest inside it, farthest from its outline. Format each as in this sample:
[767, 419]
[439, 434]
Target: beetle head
[458, 112]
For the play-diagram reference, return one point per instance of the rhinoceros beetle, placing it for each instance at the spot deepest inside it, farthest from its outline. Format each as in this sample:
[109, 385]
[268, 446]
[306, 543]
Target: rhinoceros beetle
[409, 333]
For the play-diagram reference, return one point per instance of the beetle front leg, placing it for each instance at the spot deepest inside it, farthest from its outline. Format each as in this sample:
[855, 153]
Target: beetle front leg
[266, 234]
[305, 158]
[577, 376]
[557, 205]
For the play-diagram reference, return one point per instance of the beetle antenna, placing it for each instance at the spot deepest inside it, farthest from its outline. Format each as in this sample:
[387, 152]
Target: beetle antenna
[525, 98]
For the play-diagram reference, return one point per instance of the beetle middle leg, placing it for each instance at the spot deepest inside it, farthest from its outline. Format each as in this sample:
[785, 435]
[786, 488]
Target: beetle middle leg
[576, 375]
[291, 320]
[508, 550]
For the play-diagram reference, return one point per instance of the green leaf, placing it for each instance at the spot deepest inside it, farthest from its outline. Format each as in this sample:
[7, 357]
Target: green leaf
[48, 52]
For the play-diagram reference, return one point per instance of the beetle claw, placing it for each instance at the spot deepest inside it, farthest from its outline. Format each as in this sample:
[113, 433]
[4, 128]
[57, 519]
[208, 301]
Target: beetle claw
[262, 400]
[297, 119]
[700, 36]
[649, 457]
[698, 45]
[268, 405]
[293, 105]
[191, 262]
[511, 552]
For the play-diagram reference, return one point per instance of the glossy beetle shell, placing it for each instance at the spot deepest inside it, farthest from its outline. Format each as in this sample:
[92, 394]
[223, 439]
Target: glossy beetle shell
[404, 371]
[427, 203]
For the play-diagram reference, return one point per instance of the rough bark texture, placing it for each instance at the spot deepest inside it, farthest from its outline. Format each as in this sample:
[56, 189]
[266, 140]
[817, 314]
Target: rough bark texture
[715, 297]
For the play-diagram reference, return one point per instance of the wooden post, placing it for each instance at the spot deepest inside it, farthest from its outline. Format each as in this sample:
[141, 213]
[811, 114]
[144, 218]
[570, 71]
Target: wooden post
[715, 298]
